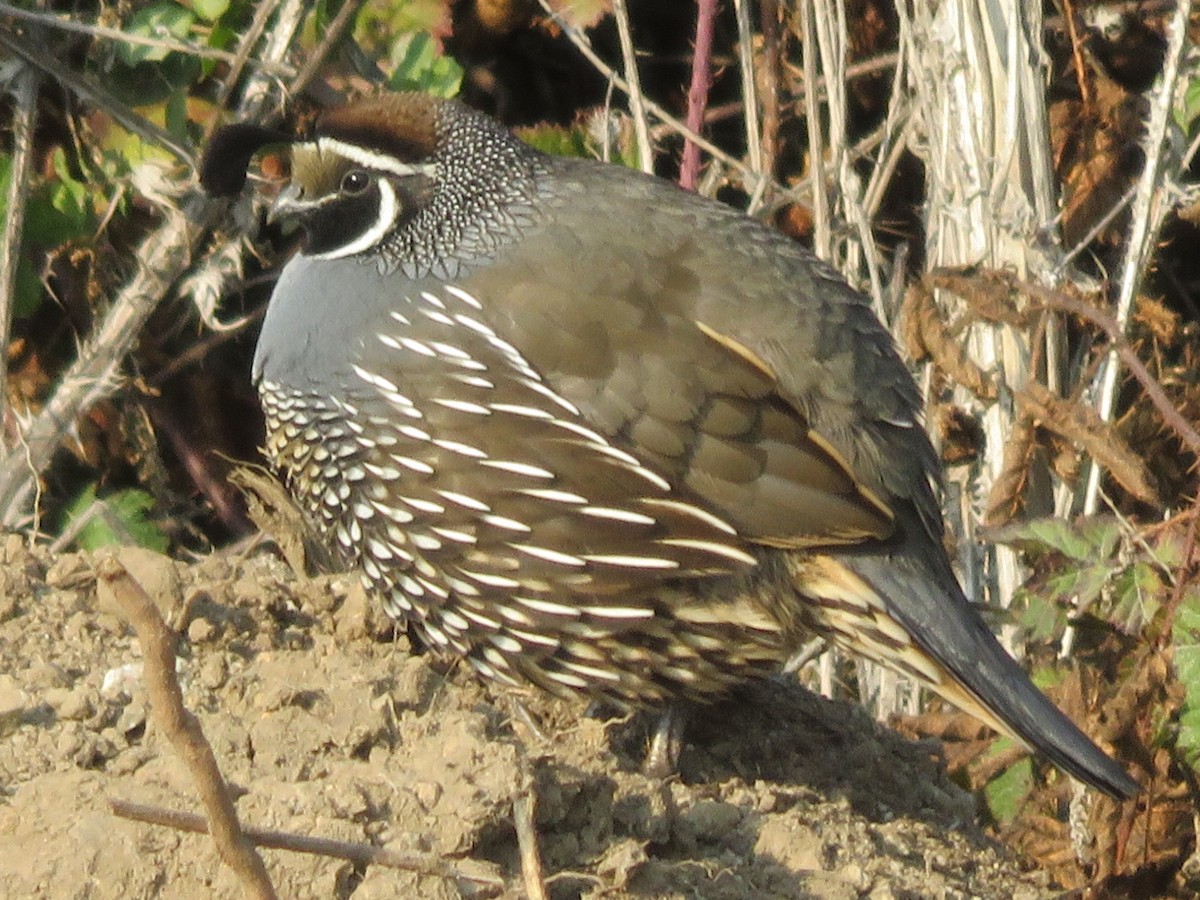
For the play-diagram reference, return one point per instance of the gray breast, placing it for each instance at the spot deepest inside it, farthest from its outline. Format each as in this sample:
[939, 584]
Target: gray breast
[320, 315]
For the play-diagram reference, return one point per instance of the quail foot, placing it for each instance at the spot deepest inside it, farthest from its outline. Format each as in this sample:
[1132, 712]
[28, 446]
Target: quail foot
[592, 432]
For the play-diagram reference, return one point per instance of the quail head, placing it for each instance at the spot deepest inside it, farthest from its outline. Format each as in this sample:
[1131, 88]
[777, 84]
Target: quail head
[590, 431]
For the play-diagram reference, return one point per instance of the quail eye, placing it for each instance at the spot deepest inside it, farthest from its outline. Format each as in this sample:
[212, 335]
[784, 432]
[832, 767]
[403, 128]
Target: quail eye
[355, 181]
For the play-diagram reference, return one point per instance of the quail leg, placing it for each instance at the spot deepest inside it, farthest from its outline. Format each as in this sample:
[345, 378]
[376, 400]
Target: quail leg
[662, 758]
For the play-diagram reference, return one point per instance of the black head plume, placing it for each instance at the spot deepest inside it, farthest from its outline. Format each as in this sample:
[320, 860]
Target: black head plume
[228, 154]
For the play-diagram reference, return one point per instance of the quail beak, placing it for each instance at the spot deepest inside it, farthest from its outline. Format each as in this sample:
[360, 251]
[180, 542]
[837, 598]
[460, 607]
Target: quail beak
[287, 205]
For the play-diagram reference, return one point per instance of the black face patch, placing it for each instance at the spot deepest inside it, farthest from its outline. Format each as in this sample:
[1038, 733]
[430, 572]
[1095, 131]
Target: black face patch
[355, 209]
[342, 220]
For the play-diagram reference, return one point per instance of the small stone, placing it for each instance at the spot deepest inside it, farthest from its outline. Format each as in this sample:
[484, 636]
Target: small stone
[70, 742]
[201, 631]
[213, 672]
[72, 704]
[133, 720]
[122, 680]
[43, 675]
[13, 704]
[427, 793]
[350, 620]
[71, 571]
[711, 820]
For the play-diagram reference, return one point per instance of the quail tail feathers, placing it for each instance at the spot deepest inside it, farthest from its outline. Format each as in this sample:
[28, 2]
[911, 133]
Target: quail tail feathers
[904, 610]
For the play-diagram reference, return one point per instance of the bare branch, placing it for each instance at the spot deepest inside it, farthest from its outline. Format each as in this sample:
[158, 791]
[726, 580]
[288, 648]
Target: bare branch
[470, 870]
[183, 729]
[706, 13]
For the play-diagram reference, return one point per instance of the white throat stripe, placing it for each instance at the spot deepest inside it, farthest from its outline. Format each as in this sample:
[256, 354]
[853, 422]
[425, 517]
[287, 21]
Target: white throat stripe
[389, 209]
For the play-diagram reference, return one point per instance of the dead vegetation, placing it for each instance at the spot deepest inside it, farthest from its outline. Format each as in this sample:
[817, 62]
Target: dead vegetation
[1028, 231]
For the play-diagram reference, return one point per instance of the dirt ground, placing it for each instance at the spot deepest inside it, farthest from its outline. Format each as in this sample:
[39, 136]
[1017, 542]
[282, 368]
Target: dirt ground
[326, 725]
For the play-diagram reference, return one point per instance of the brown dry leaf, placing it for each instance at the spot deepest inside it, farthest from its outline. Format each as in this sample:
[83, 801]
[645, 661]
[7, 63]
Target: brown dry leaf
[272, 510]
[1096, 157]
[990, 294]
[960, 432]
[1007, 497]
[1161, 321]
[582, 13]
[796, 221]
[503, 17]
[924, 334]
[1084, 427]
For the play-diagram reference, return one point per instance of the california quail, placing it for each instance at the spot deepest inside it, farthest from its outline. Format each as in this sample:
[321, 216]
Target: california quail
[596, 433]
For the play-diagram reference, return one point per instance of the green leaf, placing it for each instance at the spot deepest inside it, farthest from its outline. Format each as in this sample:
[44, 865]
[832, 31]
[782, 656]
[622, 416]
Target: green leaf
[418, 65]
[57, 211]
[1006, 793]
[1138, 593]
[162, 19]
[120, 521]
[1185, 636]
[1043, 619]
[558, 140]
[1058, 535]
[210, 10]
[1189, 109]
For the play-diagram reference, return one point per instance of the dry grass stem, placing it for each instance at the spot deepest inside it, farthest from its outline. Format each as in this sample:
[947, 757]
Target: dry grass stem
[74, 26]
[248, 40]
[821, 211]
[360, 854]
[750, 178]
[333, 34]
[24, 91]
[89, 90]
[159, 262]
[637, 101]
[1148, 212]
[182, 729]
[527, 840]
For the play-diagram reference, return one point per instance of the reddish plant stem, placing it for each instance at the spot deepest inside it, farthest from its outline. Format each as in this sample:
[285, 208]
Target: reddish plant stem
[706, 14]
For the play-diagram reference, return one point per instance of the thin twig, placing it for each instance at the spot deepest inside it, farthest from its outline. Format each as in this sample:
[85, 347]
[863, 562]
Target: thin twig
[1102, 223]
[248, 40]
[89, 90]
[25, 93]
[183, 729]
[201, 465]
[1081, 69]
[100, 31]
[822, 230]
[474, 871]
[768, 90]
[1146, 217]
[1120, 347]
[159, 262]
[749, 93]
[637, 102]
[334, 33]
[706, 14]
[750, 178]
[527, 842]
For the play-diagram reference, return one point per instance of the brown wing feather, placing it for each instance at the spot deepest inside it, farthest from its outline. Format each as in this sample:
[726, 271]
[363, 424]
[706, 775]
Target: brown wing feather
[691, 402]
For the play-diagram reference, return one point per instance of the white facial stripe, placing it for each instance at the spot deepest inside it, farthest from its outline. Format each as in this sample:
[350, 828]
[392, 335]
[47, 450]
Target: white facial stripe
[389, 209]
[369, 159]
